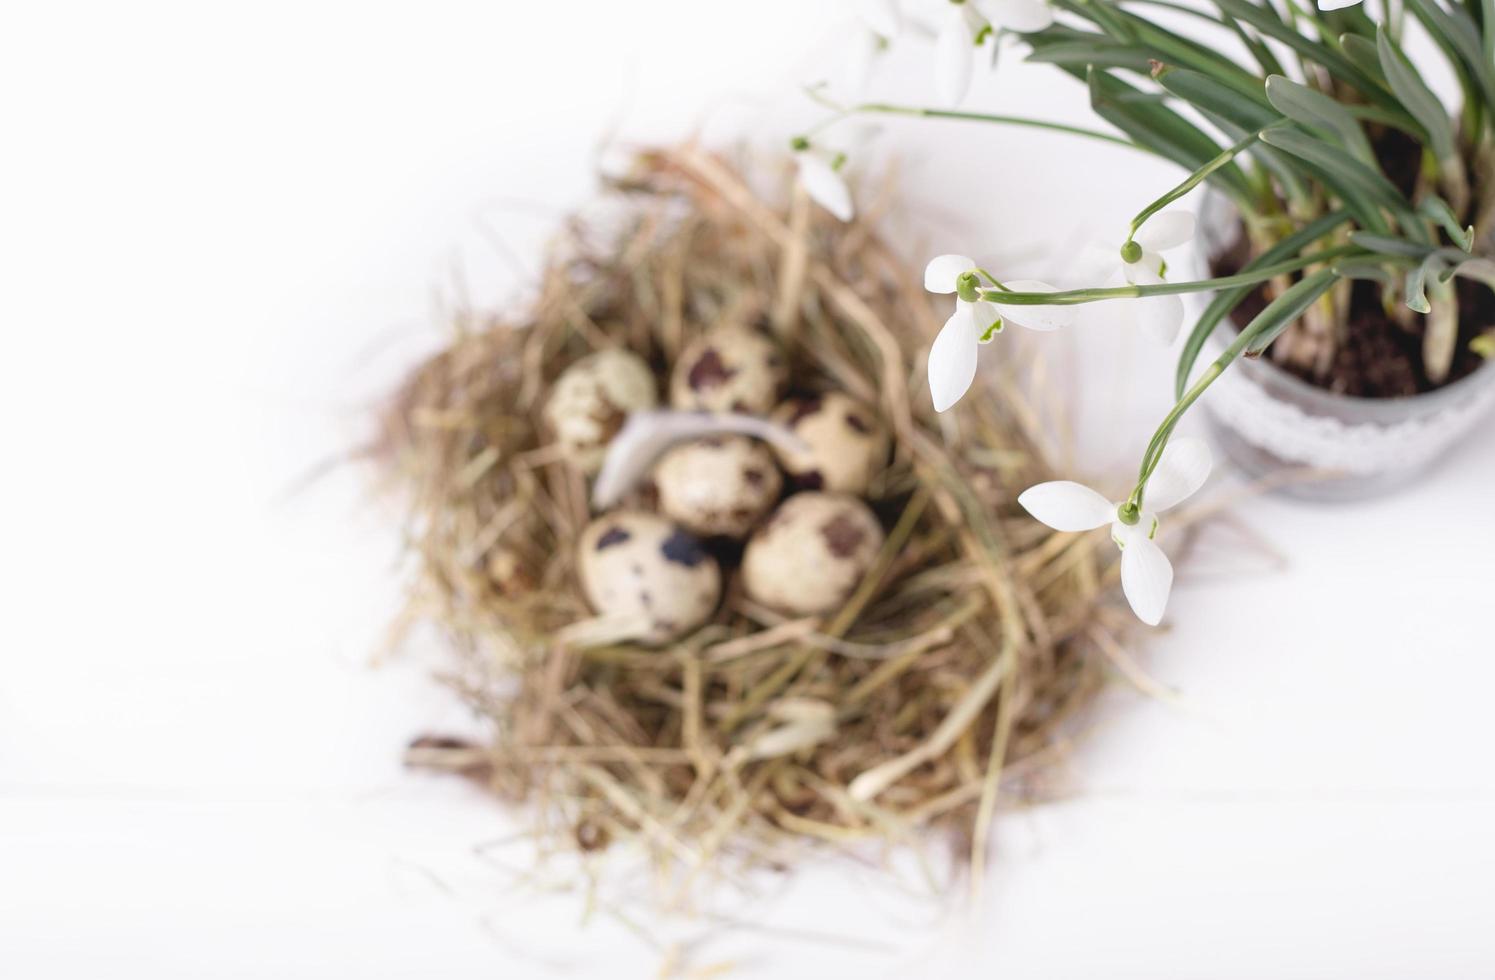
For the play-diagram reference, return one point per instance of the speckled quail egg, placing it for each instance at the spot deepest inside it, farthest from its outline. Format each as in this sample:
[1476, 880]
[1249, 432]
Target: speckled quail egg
[591, 400]
[730, 368]
[637, 564]
[718, 485]
[811, 554]
[846, 444]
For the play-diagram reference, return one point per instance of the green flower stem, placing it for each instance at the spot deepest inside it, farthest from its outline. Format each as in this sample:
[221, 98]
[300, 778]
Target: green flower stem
[1165, 430]
[919, 111]
[1192, 181]
[1267, 320]
[1074, 297]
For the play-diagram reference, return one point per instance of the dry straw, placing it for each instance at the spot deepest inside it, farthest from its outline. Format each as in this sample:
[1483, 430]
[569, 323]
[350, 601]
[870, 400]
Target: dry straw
[954, 671]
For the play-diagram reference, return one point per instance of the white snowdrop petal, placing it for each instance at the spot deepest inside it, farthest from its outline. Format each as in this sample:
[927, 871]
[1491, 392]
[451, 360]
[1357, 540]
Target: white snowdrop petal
[983, 315]
[824, 185]
[1166, 229]
[1146, 271]
[883, 17]
[1146, 578]
[1095, 262]
[1023, 16]
[1184, 467]
[1035, 317]
[942, 271]
[954, 56]
[1161, 316]
[1123, 534]
[1336, 4]
[952, 359]
[1067, 506]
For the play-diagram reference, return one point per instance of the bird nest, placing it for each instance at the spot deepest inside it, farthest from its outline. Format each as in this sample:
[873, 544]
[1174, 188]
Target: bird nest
[949, 677]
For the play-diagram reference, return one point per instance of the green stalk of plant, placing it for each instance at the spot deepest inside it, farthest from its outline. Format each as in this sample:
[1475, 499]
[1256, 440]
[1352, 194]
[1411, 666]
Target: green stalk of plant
[1260, 332]
[1073, 297]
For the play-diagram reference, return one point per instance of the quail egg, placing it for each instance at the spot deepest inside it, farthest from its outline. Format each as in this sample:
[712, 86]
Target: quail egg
[591, 400]
[718, 485]
[811, 554]
[730, 368]
[846, 444]
[641, 565]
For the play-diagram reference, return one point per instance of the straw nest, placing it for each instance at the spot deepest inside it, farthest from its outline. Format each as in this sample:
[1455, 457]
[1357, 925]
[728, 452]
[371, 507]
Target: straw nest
[950, 677]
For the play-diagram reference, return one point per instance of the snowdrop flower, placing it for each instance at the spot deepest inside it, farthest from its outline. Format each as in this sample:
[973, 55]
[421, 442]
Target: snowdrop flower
[820, 173]
[1336, 4]
[1143, 266]
[878, 22]
[1146, 573]
[952, 357]
[967, 28]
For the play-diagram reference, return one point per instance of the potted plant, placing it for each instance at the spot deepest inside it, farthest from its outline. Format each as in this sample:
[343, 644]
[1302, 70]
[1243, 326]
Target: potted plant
[1343, 270]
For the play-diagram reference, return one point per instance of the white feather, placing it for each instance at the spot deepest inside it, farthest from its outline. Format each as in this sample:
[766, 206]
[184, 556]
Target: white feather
[646, 435]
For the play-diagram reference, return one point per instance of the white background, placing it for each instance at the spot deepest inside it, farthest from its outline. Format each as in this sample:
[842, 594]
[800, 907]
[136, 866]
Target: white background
[222, 228]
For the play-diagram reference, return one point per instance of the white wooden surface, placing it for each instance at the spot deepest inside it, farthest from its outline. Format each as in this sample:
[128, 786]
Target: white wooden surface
[221, 229]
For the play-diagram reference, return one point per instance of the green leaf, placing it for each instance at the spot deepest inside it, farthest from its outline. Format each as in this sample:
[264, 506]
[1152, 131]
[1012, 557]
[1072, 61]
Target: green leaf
[1258, 48]
[1371, 271]
[1437, 210]
[1390, 246]
[1150, 40]
[1462, 264]
[1353, 20]
[1311, 108]
[1346, 171]
[1237, 118]
[1226, 300]
[1086, 53]
[1457, 34]
[1166, 46]
[1362, 52]
[1269, 324]
[1210, 95]
[1266, 21]
[1418, 99]
[1487, 18]
[1108, 17]
[1480, 270]
[1417, 299]
[1154, 126]
[1075, 50]
[1386, 117]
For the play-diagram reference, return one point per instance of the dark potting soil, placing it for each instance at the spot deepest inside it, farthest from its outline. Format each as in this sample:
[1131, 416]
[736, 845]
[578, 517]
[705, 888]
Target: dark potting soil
[1376, 357]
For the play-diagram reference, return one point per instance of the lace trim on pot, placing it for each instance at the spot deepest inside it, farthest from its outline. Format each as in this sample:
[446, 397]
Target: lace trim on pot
[1241, 403]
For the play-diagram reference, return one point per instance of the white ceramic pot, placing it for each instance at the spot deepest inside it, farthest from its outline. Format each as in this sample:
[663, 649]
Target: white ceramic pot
[1338, 447]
